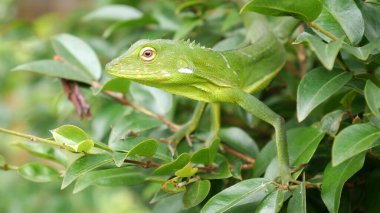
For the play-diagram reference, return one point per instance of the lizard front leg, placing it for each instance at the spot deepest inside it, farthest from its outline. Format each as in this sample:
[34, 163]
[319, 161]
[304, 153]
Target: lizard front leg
[188, 127]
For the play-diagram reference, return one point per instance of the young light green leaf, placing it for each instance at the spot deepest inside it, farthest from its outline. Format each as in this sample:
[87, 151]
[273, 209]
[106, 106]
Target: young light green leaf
[266, 155]
[73, 138]
[363, 52]
[239, 140]
[326, 53]
[38, 172]
[46, 152]
[196, 193]
[83, 165]
[306, 11]
[187, 171]
[173, 166]
[272, 202]
[109, 177]
[317, 86]
[76, 52]
[330, 122]
[55, 69]
[372, 97]
[334, 179]
[334, 16]
[206, 155]
[246, 191]
[114, 13]
[352, 141]
[297, 204]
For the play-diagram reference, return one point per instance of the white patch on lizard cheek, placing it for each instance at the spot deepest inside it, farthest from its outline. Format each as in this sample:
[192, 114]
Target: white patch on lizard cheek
[185, 70]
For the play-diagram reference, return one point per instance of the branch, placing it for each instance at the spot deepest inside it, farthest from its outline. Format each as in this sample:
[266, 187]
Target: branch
[31, 137]
[238, 154]
[174, 127]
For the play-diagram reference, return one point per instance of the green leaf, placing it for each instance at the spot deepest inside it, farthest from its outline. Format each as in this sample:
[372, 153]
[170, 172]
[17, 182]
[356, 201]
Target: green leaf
[317, 86]
[297, 204]
[363, 52]
[334, 179]
[46, 152]
[114, 13]
[132, 23]
[196, 193]
[348, 98]
[139, 146]
[326, 53]
[145, 148]
[173, 166]
[330, 122]
[55, 69]
[222, 169]
[306, 11]
[239, 140]
[77, 53]
[187, 28]
[73, 138]
[334, 19]
[134, 122]
[83, 165]
[38, 172]
[246, 191]
[371, 15]
[352, 141]
[302, 144]
[116, 85]
[154, 99]
[109, 177]
[187, 171]
[372, 97]
[206, 155]
[272, 202]
[264, 158]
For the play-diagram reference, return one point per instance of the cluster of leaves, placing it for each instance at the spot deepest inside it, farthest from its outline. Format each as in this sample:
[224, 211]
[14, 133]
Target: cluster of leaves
[331, 79]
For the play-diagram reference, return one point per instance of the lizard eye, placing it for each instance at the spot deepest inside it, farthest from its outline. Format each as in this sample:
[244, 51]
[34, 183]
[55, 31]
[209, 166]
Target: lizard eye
[147, 54]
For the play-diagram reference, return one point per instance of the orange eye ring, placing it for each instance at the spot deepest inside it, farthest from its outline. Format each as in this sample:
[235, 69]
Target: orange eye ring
[147, 54]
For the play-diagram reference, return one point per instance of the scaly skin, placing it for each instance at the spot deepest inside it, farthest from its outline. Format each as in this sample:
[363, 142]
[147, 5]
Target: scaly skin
[206, 75]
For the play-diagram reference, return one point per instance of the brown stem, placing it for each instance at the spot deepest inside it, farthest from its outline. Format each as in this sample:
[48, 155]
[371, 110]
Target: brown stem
[174, 127]
[301, 55]
[238, 154]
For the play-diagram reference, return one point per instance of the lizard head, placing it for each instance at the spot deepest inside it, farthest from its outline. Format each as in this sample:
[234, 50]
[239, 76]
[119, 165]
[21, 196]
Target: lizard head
[154, 62]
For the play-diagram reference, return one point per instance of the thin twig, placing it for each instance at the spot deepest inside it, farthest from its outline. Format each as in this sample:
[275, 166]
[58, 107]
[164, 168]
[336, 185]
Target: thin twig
[238, 154]
[301, 55]
[30, 137]
[174, 127]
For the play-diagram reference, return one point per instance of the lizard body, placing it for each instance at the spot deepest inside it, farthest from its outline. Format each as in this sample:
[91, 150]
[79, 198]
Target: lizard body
[207, 75]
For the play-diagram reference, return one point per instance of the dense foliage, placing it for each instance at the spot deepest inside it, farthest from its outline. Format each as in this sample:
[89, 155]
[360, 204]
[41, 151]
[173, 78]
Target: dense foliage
[328, 92]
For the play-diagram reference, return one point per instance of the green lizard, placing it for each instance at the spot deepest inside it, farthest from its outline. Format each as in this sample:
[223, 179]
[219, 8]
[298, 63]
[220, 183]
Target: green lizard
[206, 75]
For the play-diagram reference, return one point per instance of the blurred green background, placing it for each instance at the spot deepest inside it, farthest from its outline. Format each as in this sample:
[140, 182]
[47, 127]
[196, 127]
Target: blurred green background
[33, 103]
